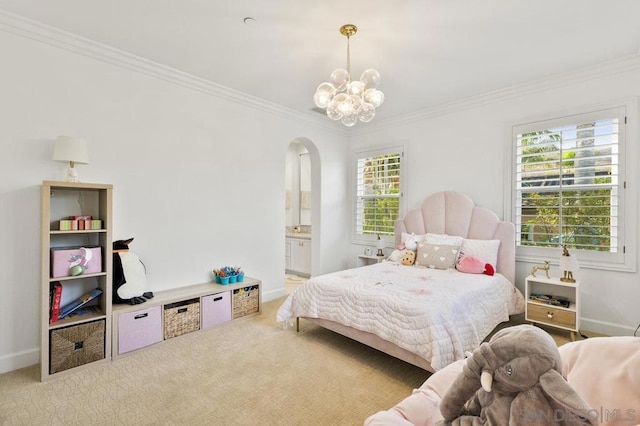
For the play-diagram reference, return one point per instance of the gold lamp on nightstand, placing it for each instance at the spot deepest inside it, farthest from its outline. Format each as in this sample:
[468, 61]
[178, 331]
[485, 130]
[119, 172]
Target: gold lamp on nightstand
[568, 264]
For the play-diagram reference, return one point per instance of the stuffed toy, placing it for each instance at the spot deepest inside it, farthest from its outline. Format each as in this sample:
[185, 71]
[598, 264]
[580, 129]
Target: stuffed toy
[396, 256]
[129, 275]
[410, 243]
[473, 265]
[408, 258]
[515, 378]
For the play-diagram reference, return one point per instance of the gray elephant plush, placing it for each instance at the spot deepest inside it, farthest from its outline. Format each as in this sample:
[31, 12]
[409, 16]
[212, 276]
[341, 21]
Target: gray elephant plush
[515, 379]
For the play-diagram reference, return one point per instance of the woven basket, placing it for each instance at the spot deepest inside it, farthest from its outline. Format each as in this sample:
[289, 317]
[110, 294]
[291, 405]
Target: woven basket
[181, 318]
[76, 345]
[246, 301]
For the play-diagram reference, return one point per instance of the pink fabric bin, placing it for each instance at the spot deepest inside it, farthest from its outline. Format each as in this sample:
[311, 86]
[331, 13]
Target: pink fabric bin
[63, 258]
[216, 309]
[139, 329]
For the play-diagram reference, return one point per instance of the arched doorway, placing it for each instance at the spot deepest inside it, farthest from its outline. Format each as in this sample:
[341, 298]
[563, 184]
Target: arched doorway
[302, 208]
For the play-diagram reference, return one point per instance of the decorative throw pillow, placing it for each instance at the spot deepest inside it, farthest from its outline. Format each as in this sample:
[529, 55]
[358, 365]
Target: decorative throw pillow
[443, 239]
[485, 250]
[437, 256]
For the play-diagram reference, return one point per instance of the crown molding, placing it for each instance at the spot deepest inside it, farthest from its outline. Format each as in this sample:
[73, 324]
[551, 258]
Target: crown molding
[617, 66]
[34, 30]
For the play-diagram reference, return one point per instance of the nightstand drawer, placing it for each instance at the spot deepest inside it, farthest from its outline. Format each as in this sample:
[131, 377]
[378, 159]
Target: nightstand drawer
[550, 315]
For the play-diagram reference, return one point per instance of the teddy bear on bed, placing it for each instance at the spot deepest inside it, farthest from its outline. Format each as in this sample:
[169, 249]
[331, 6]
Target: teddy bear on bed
[515, 378]
[405, 250]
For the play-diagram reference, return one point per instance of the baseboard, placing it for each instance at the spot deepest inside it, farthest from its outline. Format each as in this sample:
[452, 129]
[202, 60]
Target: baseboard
[19, 360]
[273, 294]
[606, 328]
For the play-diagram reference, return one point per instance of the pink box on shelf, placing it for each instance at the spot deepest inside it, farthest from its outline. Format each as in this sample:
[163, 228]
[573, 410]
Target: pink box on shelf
[216, 309]
[139, 329]
[66, 261]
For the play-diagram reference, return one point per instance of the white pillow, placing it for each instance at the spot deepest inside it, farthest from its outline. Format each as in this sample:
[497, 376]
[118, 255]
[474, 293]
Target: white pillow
[451, 240]
[485, 250]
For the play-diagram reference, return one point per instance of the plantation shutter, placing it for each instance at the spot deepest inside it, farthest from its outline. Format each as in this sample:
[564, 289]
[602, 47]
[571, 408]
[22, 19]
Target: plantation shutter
[378, 192]
[568, 182]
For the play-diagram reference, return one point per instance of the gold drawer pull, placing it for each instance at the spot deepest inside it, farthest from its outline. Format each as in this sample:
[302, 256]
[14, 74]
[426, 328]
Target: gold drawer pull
[550, 315]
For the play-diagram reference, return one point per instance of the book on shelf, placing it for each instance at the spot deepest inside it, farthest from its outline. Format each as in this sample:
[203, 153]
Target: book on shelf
[54, 301]
[79, 302]
[550, 300]
[85, 310]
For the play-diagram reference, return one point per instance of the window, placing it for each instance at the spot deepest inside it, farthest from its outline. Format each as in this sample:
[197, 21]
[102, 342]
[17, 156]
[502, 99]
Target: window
[378, 192]
[569, 187]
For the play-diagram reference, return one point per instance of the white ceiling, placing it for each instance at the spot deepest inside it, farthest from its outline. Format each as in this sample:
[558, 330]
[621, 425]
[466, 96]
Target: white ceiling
[429, 52]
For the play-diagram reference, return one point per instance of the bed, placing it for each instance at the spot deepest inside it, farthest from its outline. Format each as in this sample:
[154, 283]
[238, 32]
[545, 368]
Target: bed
[425, 316]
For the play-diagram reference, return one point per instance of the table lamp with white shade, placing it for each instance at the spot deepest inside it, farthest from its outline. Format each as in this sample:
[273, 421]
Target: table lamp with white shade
[73, 151]
[568, 265]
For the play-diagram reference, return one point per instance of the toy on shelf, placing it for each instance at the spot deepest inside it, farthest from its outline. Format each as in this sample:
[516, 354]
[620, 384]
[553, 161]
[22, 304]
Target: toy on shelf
[129, 275]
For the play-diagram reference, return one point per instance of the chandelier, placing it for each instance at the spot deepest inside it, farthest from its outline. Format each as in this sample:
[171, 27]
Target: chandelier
[348, 100]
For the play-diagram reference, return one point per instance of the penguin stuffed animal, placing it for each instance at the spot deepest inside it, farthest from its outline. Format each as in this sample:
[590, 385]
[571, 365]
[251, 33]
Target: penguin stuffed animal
[129, 275]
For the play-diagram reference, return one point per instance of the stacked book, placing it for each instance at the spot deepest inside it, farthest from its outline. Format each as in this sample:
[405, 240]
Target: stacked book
[550, 299]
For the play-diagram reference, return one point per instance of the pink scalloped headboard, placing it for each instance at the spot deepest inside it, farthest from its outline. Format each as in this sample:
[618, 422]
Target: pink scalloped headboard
[454, 213]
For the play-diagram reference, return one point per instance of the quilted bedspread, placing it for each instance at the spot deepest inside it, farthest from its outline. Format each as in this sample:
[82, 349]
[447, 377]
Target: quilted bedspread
[436, 314]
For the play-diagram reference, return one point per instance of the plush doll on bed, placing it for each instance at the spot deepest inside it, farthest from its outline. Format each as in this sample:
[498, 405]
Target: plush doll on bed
[408, 258]
[401, 255]
[410, 243]
[474, 265]
[515, 378]
[129, 275]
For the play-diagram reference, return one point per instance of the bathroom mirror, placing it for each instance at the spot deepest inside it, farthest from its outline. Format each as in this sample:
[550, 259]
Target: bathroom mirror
[298, 185]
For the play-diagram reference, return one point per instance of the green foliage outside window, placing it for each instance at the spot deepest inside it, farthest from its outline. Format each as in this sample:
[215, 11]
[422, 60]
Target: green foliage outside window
[379, 194]
[558, 206]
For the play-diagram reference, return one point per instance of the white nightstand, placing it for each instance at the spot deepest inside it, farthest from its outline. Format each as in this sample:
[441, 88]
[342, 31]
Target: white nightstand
[364, 260]
[536, 311]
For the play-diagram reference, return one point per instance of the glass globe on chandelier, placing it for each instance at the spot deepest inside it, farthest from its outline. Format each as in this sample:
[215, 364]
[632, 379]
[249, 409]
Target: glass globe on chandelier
[348, 100]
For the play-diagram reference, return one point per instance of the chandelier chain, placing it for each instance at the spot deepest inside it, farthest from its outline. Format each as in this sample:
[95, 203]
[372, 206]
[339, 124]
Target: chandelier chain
[348, 56]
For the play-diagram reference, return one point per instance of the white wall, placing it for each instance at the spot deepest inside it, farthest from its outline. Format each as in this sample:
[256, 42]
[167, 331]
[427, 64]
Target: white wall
[198, 178]
[461, 147]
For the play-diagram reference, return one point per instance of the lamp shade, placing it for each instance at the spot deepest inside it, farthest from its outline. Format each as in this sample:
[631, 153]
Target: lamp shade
[380, 244]
[569, 263]
[69, 149]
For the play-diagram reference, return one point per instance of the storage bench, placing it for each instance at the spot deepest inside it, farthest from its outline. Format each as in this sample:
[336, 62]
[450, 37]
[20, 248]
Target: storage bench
[174, 312]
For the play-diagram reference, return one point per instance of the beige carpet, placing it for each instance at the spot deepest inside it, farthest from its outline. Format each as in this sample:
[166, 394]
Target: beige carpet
[244, 372]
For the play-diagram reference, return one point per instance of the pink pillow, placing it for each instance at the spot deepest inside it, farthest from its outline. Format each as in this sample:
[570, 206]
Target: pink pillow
[473, 265]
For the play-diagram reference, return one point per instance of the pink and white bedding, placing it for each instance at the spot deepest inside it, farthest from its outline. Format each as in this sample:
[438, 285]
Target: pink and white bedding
[436, 314]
